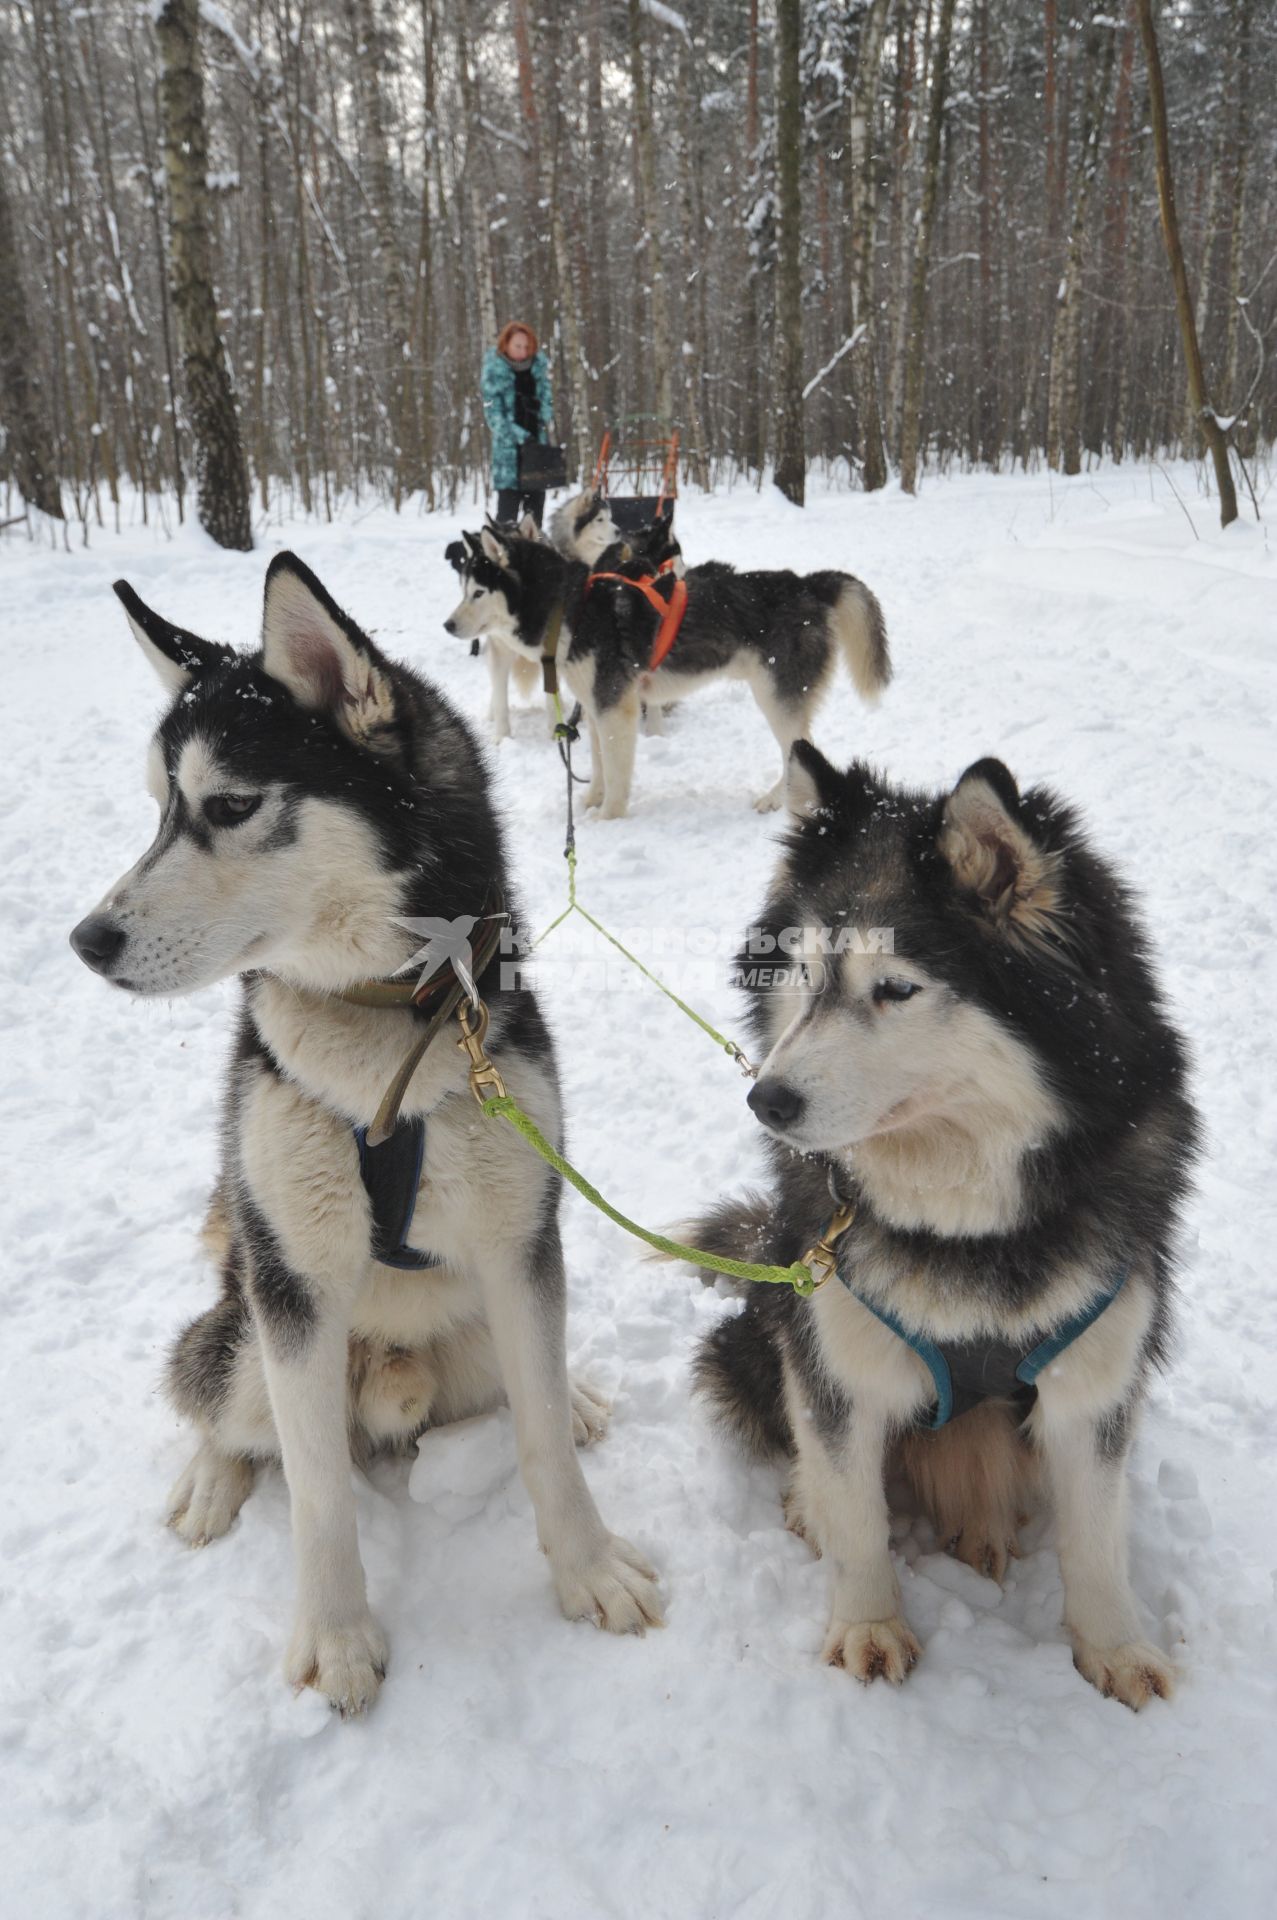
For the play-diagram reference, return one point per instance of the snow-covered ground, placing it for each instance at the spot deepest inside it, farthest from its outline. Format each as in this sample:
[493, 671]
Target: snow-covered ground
[154, 1762]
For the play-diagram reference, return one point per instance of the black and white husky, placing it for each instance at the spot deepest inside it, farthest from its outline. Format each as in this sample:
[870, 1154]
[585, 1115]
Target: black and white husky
[781, 633]
[996, 1095]
[313, 795]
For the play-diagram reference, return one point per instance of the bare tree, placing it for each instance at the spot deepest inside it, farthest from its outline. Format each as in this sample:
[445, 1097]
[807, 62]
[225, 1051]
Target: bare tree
[30, 441]
[1063, 432]
[649, 243]
[221, 475]
[791, 457]
[911, 405]
[1211, 429]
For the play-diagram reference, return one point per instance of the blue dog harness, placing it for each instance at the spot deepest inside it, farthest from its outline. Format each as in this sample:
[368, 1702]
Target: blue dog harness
[391, 1174]
[968, 1372]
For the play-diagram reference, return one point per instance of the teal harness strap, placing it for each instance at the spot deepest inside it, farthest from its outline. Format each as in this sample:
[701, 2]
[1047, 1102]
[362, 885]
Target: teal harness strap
[930, 1355]
[1053, 1346]
[987, 1369]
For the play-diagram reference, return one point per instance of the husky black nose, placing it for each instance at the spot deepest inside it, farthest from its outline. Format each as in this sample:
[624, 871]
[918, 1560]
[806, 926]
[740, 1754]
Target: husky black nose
[776, 1104]
[450, 626]
[98, 940]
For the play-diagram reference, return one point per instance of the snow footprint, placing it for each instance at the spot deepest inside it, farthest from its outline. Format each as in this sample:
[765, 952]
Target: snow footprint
[1187, 1514]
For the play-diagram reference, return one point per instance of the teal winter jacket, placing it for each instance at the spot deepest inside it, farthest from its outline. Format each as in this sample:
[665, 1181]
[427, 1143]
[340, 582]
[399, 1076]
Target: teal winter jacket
[497, 390]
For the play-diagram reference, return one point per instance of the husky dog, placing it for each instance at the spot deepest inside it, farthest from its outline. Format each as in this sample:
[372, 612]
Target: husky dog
[999, 1100]
[779, 632]
[583, 529]
[502, 662]
[313, 795]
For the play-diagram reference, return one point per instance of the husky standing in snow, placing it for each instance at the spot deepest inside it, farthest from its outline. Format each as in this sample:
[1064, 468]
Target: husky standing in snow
[989, 1124]
[314, 795]
[781, 633]
[581, 529]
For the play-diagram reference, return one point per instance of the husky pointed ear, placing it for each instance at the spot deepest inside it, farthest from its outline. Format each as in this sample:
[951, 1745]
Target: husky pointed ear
[528, 528]
[318, 653]
[812, 784]
[177, 656]
[494, 546]
[456, 553]
[993, 857]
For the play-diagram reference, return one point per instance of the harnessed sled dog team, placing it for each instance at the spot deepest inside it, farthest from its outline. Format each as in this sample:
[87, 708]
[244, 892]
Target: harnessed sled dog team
[983, 1137]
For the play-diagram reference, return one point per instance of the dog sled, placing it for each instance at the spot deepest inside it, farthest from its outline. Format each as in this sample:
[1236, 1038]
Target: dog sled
[647, 463]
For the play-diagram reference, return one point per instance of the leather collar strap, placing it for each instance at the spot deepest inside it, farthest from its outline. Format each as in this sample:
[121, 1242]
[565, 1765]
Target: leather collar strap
[671, 611]
[443, 994]
[550, 650]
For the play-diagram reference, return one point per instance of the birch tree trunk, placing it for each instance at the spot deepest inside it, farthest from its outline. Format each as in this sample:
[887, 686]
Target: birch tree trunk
[1063, 431]
[911, 404]
[568, 302]
[860, 256]
[221, 476]
[1241, 153]
[791, 463]
[649, 249]
[1211, 428]
[370, 51]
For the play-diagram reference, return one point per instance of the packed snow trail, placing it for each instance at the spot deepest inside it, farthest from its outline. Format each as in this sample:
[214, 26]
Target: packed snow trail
[154, 1762]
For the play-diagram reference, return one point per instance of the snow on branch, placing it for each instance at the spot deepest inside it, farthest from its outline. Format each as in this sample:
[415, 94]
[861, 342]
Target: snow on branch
[829, 365]
[666, 17]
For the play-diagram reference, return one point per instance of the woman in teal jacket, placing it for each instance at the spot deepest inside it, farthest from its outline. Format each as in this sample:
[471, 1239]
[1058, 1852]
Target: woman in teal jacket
[517, 404]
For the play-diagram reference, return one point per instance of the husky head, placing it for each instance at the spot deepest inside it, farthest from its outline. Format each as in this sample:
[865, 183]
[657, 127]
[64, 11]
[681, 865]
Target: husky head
[973, 991]
[309, 794]
[510, 584]
[583, 529]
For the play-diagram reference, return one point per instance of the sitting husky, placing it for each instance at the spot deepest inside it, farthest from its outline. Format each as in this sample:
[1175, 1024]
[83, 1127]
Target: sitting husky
[313, 796]
[779, 632]
[999, 1104]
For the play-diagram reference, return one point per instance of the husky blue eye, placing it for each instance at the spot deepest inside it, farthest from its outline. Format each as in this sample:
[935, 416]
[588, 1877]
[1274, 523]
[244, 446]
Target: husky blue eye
[229, 809]
[888, 991]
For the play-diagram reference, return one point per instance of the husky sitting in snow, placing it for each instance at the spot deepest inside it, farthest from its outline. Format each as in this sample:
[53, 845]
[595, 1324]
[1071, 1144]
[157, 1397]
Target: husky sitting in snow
[314, 796]
[779, 632]
[989, 1123]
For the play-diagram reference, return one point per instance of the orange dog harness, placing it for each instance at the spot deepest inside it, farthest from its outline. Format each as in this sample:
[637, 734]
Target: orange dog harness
[670, 611]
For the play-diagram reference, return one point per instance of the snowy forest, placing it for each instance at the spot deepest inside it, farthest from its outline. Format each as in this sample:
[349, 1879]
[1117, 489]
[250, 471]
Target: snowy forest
[265, 242]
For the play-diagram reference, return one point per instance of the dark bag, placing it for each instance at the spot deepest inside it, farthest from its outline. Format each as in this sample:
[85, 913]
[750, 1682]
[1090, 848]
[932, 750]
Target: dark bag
[541, 467]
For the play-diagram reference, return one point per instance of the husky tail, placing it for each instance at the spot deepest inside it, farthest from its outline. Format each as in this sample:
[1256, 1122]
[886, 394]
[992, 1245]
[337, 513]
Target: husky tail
[738, 1365]
[855, 622]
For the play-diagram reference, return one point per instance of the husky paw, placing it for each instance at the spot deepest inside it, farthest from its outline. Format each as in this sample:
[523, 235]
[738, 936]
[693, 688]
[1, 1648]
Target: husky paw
[592, 797]
[984, 1555]
[1132, 1674]
[590, 1412]
[770, 801]
[497, 734]
[347, 1664]
[617, 1590]
[207, 1496]
[872, 1649]
[797, 1521]
[612, 810]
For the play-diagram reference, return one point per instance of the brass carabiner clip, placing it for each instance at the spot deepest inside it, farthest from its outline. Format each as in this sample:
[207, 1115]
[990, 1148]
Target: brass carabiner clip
[821, 1259]
[485, 1081]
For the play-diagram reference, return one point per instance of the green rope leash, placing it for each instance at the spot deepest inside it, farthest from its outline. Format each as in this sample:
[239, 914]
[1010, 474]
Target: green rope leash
[565, 734]
[798, 1276]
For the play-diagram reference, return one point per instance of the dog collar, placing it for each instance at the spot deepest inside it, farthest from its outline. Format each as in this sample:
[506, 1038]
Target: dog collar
[442, 994]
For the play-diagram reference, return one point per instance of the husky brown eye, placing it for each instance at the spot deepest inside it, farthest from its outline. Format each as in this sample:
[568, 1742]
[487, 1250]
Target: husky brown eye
[887, 992]
[229, 809]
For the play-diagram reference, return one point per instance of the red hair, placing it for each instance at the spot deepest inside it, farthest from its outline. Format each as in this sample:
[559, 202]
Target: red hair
[508, 332]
